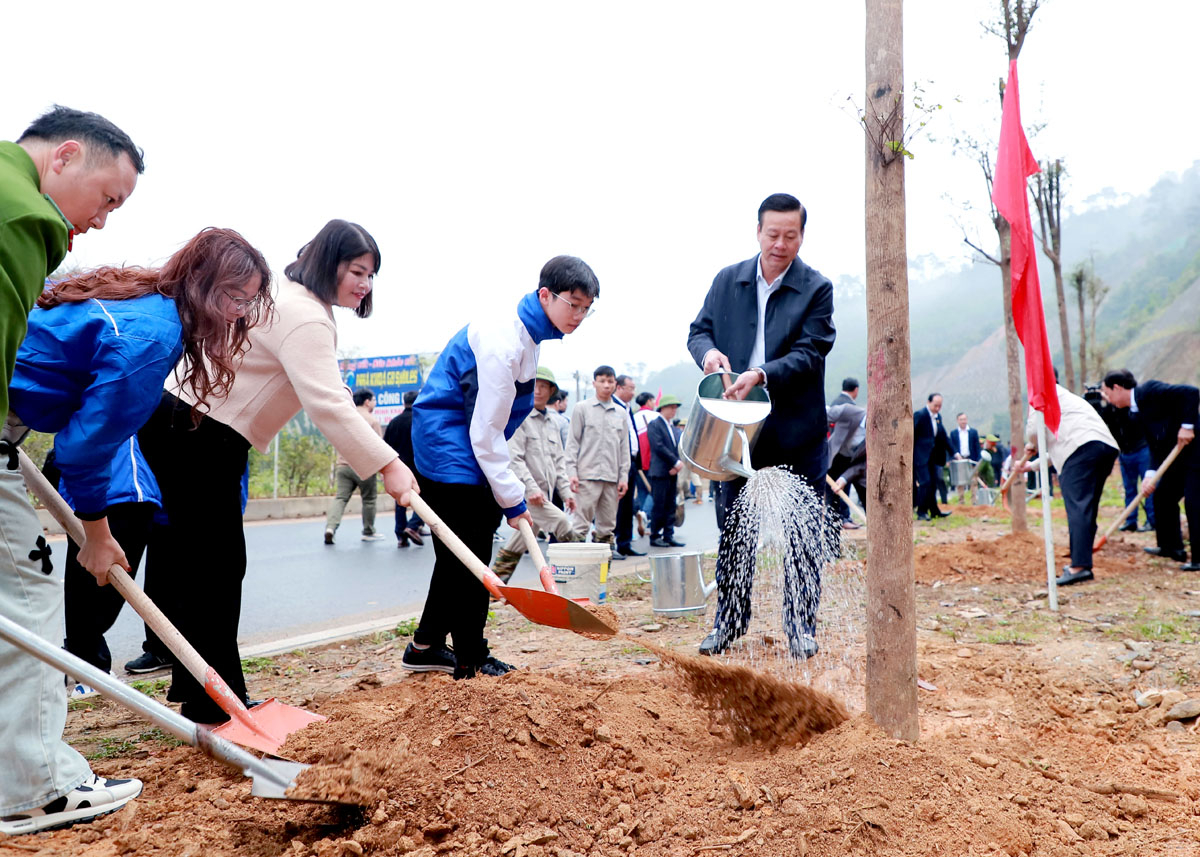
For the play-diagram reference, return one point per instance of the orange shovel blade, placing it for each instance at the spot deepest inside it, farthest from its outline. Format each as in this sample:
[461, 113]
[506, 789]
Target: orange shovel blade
[554, 611]
[274, 720]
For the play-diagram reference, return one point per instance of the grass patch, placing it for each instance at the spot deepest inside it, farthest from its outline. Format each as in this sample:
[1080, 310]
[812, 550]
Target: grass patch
[1006, 637]
[407, 628]
[151, 686]
[634, 650]
[110, 748]
[80, 704]
[257, 665]
[1161, 630]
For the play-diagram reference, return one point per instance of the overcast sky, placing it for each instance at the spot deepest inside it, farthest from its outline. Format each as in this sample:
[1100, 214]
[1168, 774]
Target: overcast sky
[475, 140]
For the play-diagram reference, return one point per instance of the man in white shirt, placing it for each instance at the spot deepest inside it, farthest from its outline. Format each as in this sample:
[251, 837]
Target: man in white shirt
[1083, 452]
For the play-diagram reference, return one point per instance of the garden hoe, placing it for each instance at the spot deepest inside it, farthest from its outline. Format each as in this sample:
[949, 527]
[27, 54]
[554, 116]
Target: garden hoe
[264, 729]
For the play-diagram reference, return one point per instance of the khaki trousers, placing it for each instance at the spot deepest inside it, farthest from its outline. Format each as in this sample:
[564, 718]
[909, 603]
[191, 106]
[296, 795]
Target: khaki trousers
[596, 500]
[546, 517]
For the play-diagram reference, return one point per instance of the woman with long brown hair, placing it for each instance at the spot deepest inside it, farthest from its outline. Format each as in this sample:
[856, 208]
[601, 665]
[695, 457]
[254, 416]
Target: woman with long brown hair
[101, 344]
[200, 551]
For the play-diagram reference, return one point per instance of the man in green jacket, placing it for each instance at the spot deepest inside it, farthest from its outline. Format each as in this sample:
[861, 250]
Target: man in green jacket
[62, 177]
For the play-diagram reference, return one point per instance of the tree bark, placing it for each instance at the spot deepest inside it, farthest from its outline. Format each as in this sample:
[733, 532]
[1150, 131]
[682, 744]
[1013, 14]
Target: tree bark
[1049, 204]
[1016, 397]
[1080, 287]
[891, 691]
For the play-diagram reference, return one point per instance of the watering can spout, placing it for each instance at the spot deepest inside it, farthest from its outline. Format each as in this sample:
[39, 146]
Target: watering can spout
[709, 587]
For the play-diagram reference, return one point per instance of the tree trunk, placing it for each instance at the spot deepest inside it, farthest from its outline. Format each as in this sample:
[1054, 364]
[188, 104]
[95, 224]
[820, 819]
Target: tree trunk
[1068, 362]
[1082, 338]
[891, 602]
[1016, 398]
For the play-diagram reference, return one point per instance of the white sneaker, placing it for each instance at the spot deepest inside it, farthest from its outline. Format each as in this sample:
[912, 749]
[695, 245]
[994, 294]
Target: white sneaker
[95, 797]
[79, 690]
[373, 537]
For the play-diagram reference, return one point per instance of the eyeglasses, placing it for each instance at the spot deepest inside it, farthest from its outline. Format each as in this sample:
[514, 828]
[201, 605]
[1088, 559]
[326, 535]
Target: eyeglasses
[581, 312]
[242, 303]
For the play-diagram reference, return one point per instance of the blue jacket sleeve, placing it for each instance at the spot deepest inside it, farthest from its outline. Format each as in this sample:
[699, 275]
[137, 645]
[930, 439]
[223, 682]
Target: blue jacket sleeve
[128, 380]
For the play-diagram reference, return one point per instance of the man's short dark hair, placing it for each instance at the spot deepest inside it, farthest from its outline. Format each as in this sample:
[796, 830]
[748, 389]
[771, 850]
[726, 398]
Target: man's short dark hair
[621, 379]
[642, 398]
[569, 274]
[409, 397]
[316, 265]
[931, 395]
[59, 124]
[1120, 378]
[604, 370]
[554, 397]
[362, 394]
[783, 202]
[849, 385]
[960, 414]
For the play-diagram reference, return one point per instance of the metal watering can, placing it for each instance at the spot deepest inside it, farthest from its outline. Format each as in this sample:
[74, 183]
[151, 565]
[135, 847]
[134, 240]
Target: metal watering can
[716, 441]
[677, 583]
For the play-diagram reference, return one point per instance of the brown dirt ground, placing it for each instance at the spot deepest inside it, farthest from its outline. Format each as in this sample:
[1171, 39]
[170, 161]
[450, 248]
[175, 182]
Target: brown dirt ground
[1031, 742]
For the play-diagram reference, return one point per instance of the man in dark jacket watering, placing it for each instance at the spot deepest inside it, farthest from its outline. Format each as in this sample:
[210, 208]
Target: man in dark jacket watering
[770, 319]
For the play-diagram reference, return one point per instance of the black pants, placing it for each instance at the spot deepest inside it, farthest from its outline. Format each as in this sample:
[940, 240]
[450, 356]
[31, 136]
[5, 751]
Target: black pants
[1082, 482]
[1180, 482]
[624, 528]
[733, 601]
[926, 488]
[92, 609]
[662, 517]
[198, 557]
[457, 603]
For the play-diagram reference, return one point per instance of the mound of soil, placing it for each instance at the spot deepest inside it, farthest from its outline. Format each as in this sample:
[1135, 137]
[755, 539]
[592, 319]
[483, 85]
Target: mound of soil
[1019, 558]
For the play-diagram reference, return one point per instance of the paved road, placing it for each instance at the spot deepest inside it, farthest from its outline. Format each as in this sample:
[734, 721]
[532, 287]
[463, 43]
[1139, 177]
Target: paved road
[298, 587]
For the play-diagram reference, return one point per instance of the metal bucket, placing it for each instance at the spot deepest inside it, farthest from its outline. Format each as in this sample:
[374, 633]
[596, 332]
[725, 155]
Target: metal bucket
[962, 471]
[677, 584]
[719, 433]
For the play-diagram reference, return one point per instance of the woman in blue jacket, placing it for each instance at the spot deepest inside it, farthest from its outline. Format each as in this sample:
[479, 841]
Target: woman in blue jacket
[101, 345]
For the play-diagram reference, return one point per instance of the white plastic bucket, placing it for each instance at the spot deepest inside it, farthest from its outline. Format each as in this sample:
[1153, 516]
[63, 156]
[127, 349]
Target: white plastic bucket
[580, 570]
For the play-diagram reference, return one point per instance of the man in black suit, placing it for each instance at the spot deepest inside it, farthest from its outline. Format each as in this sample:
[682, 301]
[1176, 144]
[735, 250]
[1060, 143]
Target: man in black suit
[1168, 415]
[931, 446]
[664, 465]
[770, 318]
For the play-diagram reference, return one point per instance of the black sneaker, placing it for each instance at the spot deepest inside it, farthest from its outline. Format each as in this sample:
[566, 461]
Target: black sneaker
[94, 797]
[433, 659]
[147, 662]
[492, 666]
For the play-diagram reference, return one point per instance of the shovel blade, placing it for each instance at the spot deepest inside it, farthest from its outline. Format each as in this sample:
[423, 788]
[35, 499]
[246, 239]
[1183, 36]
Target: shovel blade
[274, 720]
[554, 611]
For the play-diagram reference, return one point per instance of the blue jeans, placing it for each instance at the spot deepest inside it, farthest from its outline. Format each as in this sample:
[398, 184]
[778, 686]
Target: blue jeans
[1134, 467]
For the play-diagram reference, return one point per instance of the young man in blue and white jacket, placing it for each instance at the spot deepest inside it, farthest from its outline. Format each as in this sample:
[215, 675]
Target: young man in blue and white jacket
[479, 392]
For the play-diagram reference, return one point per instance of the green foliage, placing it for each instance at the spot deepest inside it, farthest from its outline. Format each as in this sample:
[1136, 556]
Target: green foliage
[305, 467]
[257, 665]
[407, 628]
[151, 686]
[110, 748]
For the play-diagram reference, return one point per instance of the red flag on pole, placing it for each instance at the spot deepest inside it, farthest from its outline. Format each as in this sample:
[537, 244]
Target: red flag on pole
[1014, 164]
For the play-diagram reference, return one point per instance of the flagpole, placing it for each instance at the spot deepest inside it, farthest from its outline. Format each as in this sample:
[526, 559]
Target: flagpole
[1047, 531]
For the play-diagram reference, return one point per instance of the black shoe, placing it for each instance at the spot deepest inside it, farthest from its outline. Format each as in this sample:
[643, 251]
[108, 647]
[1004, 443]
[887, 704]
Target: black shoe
[1178, 556]
[402, 542]
[329, 537]
[1128, 527]
[147, 662]
[805, 648]
[630, 551]
[414, 536]
[252, 703]
[1190, 566]
[1146, 528]
[674, 543]
[492, 666]
[940, 513]
[1069, 576]
[921, 516]
[433, 659]
[714, 644]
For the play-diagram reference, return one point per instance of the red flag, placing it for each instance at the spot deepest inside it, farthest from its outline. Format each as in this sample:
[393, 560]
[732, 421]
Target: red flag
[1014, 164]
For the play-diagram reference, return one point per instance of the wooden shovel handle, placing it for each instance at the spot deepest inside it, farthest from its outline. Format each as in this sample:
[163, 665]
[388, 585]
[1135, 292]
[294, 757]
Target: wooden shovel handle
[1147, 486]
[41, 488]
[438, 527]
[845, 498]
[1016, 471]
[544, 573]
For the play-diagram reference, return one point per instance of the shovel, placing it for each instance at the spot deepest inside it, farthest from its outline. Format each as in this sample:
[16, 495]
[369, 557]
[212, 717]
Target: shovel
[271, 777]
[854, 507]
[1147, 487]
[545, 575]
[272, 721]
[544, 608]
